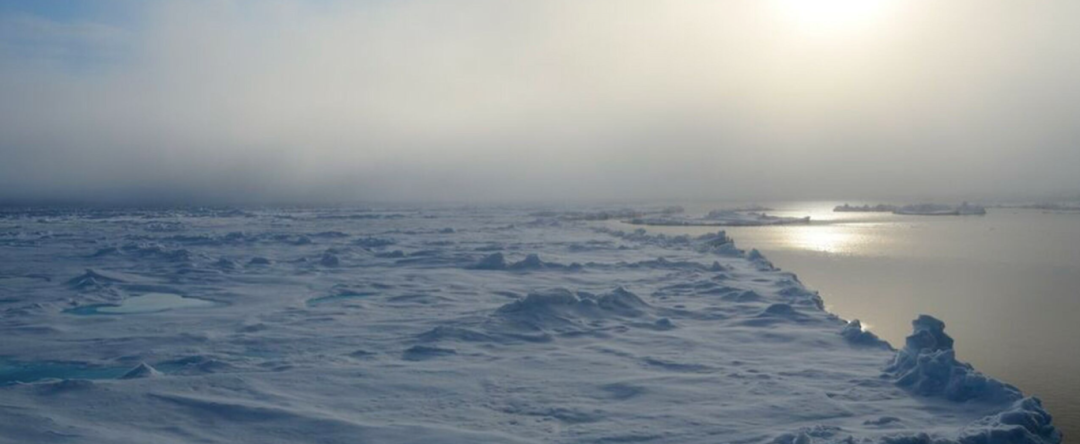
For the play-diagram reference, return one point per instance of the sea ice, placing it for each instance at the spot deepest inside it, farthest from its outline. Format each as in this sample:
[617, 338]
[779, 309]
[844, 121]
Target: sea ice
[446, 324]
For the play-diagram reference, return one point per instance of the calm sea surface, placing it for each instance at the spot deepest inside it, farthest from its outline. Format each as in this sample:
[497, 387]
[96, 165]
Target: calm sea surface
[1006, 284]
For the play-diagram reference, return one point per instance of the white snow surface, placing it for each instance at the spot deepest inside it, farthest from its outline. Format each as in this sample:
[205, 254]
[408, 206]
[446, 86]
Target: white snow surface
[450, 325]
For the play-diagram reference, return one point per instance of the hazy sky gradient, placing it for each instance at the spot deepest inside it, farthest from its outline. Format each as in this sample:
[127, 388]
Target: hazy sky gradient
[538, 100]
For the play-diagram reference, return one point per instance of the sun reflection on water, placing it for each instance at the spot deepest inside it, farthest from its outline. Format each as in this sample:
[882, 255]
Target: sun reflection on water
[835, 239]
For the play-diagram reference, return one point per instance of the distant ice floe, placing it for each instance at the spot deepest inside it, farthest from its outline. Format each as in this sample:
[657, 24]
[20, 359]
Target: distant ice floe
[879, 208]
[925, 209]
[963, 209]
[608, 214]
[721, 218]
[1046, 207]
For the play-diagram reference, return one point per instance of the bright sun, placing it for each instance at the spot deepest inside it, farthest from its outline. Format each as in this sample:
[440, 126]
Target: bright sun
[826, 16]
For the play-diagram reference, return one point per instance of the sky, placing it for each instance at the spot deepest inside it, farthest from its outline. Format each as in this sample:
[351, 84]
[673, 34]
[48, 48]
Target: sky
[494, 100]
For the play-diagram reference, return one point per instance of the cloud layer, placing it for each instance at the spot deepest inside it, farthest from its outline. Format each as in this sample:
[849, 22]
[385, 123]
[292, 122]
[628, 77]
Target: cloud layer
[551, 100]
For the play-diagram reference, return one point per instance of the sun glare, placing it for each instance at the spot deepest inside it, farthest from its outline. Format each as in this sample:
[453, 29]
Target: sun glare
[824, 239]
[830, 16]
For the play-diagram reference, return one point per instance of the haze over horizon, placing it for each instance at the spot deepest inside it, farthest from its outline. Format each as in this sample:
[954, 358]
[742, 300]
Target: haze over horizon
[327, 100]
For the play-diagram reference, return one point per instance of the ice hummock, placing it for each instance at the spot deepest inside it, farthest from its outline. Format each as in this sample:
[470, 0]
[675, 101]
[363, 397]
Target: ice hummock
[927, 366]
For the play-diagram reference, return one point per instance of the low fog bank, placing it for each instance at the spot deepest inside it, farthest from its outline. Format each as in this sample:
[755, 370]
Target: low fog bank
[489, 101]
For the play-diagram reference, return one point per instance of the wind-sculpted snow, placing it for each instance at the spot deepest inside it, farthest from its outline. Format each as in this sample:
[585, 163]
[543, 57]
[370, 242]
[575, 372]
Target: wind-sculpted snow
[398, 324]
[496, 261]
[560, 305]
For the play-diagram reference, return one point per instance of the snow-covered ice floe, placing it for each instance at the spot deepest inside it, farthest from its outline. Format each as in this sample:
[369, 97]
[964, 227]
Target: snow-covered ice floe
[1048, 207]
[879, 208]
[466, 325]
[964, 209]
[719, 218]
[926, 209]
